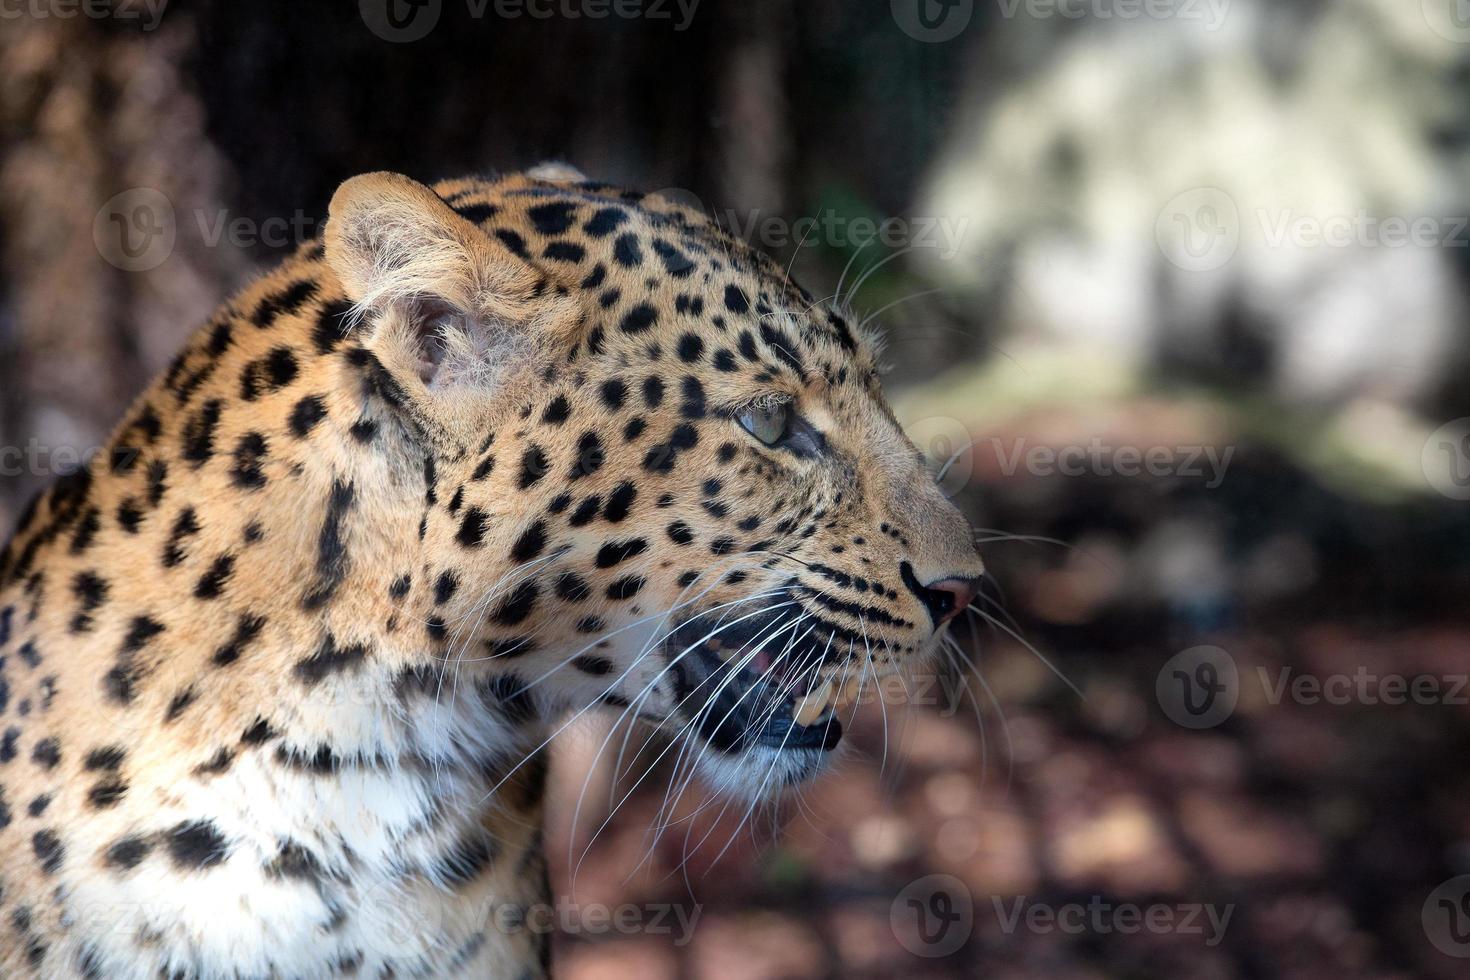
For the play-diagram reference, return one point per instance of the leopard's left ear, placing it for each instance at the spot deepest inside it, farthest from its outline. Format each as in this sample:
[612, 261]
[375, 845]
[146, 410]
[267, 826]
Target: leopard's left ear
[435, 293]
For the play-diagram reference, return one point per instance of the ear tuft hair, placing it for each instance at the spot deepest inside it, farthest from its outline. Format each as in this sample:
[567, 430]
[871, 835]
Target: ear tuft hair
[557, 171]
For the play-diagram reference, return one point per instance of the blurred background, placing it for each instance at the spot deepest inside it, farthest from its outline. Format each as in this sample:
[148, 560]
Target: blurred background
[1175, 295]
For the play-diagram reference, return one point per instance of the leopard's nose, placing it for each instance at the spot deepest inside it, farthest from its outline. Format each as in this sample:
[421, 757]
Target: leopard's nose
[951, 597]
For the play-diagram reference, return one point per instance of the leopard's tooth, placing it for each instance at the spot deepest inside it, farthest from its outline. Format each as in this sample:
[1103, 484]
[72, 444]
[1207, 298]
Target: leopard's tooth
[812, 705]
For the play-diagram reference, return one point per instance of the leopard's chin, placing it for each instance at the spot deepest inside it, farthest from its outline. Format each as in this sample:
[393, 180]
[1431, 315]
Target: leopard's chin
[761, 774]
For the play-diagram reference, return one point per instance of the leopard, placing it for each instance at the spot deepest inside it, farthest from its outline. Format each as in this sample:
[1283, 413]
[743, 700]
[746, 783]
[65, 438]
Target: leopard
[280, 666]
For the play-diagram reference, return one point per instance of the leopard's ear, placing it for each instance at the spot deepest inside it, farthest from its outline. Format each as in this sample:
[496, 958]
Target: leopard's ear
[432, 290]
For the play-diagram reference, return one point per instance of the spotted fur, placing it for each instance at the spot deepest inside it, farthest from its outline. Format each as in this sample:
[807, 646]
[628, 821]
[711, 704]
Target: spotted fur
[274, 671]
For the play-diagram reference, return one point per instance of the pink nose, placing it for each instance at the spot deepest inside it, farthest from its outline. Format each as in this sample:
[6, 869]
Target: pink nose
[953, 595]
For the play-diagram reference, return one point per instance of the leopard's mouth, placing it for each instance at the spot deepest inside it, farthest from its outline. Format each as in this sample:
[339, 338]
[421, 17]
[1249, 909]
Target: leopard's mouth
[746, 680]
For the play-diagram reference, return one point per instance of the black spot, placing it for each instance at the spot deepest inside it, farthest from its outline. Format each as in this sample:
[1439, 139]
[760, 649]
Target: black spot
[250, 452]
[530, 544]
[614, 392]
[186, 525]
[534, 465]
[639, 319]
[626, 251]
[653, 391]
[586, 511]
[7, 743]
[512, 241]
[483, 469]
[91, 592]
[331, 547]
[675, 262]
[590, 456]
[661, 458]
[594, 665]
[127, 852]
[400, 586]
[270, 373]
[140, 631]
[246, 630]
[327, 660]
[47, 753]
[553, 218]
[258, 733]
[307, 413]
[558, 411]
[445, 587]
[196, 845]
[518, 605]
[106, 792]
[107, 759]
[625, 588]
[288, 301]
[363, 430]
[212, 583]
[157, 474]
[49, 850]
[680, 533]
[735, 299]
[472, 527]
[86, 531]
[178, 703]
[724, 360]
[565, 252]
[332, 326]
[129, 516]
[477, 212]
[571, 587]
[620, 501]
[38, 805]
[693, 406]
[198, 434]
[605, 222]
[617, 552]
[634, 428]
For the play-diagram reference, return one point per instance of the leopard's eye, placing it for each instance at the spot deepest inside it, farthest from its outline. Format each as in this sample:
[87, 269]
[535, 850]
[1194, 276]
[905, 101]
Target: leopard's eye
[767, 422]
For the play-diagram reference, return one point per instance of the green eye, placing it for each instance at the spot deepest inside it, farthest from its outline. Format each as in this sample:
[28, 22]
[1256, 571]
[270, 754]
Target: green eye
[767, 422]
